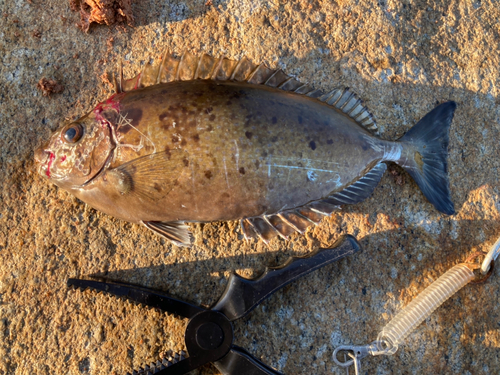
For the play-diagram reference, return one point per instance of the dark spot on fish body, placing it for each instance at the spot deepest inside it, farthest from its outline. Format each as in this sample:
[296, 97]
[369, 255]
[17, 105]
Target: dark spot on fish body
[274, 139]
[300, 120]
[264, 154]
[167, 152]
[196, 137]
[211, 117]
[157, 187]
[163, 116]
[274, 120]
[242, 170]
[257, 164]
[249, 135]
[110, 115]
[329, 141]
[312, 145]
[135, 116]
[208, 174]
[209, 128]
[183, 142]
[186, 162]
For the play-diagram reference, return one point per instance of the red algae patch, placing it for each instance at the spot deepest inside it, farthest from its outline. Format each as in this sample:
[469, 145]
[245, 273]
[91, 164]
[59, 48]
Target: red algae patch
[49, 86]
[106, 12]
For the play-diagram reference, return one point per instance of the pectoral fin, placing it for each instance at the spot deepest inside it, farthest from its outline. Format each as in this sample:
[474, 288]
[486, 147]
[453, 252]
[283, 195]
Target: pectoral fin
[150, 177]
[174, 231]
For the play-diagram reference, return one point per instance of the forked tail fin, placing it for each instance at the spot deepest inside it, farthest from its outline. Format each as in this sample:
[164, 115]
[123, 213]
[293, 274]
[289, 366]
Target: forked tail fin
[426, 154]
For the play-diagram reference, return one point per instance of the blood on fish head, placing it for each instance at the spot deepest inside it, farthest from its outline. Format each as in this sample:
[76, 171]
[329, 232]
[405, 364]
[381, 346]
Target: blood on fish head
[76, 152]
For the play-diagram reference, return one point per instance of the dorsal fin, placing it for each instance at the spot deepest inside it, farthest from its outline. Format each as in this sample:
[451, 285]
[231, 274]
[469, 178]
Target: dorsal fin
[189, 66]
[299, 219]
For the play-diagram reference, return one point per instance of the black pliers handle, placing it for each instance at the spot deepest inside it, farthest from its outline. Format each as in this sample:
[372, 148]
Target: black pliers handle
[209, 333]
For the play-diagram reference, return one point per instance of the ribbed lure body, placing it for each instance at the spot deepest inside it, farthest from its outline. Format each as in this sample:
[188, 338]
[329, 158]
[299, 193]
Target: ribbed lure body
[423, 306]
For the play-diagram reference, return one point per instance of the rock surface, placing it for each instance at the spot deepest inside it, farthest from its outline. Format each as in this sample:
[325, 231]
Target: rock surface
[402, 57]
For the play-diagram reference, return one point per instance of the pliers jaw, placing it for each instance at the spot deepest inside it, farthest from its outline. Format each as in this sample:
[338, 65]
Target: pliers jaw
[209, 334]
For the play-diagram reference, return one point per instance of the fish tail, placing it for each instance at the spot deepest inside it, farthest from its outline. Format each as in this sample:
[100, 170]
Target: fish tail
[425, 153]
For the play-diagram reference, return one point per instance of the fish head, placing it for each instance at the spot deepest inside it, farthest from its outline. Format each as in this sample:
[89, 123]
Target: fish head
[75, 153]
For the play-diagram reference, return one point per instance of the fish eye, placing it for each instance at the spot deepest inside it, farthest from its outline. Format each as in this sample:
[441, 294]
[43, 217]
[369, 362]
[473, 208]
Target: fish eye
[72, 133]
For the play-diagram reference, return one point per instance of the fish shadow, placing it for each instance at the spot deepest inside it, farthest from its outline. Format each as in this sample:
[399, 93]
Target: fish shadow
[351, 294]
[203, 281]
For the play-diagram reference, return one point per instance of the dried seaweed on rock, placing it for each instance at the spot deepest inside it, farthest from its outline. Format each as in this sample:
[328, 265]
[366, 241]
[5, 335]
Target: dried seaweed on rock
[106, 12]
[49, 86]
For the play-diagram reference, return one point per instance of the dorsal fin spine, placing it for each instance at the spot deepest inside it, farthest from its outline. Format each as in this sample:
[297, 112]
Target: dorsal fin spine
[334, 100]
[238, 65]
[217, 67]
[271, 77]
[198, 67]
[115, 84]
[284, 82]
[163, 59]
[251, 75]
[300, 87]
[120, 81]
[326, 97]
[178, 70]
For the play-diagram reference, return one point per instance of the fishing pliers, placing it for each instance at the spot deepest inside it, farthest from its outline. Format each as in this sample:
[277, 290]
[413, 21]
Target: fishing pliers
[209, 332]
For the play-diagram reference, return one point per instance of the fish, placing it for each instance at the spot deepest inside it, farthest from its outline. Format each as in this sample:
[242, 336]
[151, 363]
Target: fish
[202, 139]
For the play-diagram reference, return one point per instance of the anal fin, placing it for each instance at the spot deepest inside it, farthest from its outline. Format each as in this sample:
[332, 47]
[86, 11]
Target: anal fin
[174, 231]
[359, 190]
[299, 219]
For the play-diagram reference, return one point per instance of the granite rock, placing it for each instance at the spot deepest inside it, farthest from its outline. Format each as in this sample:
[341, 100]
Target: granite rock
[402, 57]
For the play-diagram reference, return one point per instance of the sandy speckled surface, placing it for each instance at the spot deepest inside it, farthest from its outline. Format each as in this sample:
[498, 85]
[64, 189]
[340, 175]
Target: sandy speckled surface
[402, 57]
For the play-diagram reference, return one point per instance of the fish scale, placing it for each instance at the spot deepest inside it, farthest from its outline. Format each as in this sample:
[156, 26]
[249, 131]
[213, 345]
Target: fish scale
[200, 139]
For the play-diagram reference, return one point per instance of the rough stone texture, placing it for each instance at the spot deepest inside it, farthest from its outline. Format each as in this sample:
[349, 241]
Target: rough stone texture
[402, 57]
